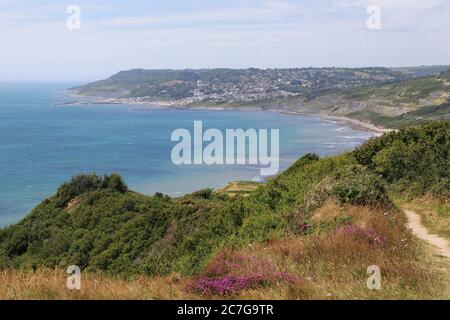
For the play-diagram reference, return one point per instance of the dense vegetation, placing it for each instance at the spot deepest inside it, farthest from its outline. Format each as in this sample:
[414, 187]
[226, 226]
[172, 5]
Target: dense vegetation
[96, 223]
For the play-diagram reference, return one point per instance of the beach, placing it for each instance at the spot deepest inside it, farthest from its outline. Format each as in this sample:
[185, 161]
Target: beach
[343, 120]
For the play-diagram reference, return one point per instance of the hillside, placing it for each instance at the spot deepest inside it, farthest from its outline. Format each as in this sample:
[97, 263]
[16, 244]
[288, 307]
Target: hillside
[388, 104]
[423, 71]
[310, 232]
[185, 87]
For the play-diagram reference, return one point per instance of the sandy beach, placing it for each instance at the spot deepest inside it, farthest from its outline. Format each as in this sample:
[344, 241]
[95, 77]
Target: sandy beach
[350, 122]
[353, 123]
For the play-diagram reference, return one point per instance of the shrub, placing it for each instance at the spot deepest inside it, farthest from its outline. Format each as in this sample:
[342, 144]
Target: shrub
[203, 194]
[77, 186]
[442, 188]
[17, 244]
[261, 227]
[413, 159]
[358, 186]
[86, 183]
[115, 182]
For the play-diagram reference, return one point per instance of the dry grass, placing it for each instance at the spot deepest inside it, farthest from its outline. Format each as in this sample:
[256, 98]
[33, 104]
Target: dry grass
[335, 265]
[329, 211]
[51, 284]
[243, 188]
[327, 265]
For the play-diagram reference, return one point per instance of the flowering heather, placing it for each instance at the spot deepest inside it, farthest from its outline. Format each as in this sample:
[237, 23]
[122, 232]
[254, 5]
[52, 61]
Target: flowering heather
[226, 285]
[228, 262]
[368, 234]
[229, 273]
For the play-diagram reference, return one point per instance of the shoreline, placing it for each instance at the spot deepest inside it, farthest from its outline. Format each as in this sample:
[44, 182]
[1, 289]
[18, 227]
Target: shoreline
[342, 120]
[346, 121]
[350, 122]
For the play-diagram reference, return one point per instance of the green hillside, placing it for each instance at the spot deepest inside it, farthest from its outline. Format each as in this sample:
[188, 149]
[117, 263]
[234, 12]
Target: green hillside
[414, 93]
[96, 223]
[423, 71]
[389, 104]
[238, 85]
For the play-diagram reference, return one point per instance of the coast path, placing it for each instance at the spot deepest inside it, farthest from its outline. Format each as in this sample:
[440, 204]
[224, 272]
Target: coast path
[436, 251]
[421, 232]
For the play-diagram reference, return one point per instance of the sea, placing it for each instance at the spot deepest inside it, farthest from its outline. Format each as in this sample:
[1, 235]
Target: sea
[44, 141]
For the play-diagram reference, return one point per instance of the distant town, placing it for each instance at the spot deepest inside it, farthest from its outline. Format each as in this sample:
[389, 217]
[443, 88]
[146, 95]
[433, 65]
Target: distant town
[245, 86]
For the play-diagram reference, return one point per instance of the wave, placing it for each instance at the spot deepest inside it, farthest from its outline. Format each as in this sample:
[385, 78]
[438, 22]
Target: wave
[340, 129]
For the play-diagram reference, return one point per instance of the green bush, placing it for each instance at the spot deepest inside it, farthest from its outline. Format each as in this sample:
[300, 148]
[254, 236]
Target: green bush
[76, 186]
[413, 159]
[261, 227]
[203, 194]
[358, 186]
[89, 182]
[115, 182]
[17, 244]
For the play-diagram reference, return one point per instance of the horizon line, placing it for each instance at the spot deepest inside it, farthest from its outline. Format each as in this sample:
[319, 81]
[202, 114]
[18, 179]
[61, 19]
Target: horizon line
[215, 68]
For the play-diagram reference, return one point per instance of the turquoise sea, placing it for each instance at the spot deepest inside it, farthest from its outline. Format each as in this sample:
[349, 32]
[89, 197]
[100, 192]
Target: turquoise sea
[44, 143]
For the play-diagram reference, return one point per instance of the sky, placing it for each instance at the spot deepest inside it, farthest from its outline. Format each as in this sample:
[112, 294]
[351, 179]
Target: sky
[37, 45]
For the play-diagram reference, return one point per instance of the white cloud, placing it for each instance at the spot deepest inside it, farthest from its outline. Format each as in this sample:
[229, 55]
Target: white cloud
[267, 11]
[389, 4]
[260, 34]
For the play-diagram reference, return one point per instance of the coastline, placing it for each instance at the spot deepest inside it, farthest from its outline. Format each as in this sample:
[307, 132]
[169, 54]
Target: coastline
[358, 124]
[346, 121]
[343, 120]
[353, 123]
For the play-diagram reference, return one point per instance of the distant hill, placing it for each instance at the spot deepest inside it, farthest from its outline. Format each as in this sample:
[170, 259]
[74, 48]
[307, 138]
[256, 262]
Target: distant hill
[423, 71]
[224, 85]
[138, 82]
[388, 104]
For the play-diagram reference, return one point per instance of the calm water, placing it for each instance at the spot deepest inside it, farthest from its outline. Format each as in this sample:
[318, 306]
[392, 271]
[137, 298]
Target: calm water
[43, 144]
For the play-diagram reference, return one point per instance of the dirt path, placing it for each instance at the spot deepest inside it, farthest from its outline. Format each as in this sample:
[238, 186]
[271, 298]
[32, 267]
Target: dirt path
[420, 231]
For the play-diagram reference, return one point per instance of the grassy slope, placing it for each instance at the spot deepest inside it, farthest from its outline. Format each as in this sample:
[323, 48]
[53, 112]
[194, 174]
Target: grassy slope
[310, 233]
[390, 105]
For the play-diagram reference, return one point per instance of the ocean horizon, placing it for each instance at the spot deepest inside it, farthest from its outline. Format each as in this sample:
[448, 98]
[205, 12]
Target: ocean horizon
[43, 143]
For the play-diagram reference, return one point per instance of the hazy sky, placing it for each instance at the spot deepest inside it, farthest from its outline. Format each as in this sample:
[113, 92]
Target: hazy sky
[35, 43]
